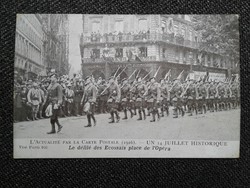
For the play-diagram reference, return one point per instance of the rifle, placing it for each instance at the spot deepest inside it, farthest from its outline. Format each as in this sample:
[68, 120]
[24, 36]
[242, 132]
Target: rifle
[157, 72]
[129, 77]
[184, 92]
[138, 73]
[168, 73]
[116, 71]
[122, 71]
[146, 75]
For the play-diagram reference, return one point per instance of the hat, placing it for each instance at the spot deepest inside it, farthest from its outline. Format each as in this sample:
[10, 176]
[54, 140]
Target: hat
[151, 78]
[53, 74]
[35, 84]
[69, 85]
[111, 77]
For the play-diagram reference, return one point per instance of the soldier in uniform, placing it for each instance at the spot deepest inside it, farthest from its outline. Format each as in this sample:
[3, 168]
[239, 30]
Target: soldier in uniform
[221, 95]
[191, 97]
[165, 97]
[125, 98]
[102, 99]
[234, 95]
[114, 93]
[153, 98]
[133, 96]
[140, 104]
[211, 95]
[175, 93]
[202, 95]
[78, 90]
[228, 95]
[34, 98]
[88, 100]
[55, 99]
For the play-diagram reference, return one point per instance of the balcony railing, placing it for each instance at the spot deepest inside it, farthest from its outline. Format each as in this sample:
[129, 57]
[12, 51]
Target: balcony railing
[168, 38]
[117, 59]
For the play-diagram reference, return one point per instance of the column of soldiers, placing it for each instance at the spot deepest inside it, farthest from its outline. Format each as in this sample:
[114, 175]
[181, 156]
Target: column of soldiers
[142, 96]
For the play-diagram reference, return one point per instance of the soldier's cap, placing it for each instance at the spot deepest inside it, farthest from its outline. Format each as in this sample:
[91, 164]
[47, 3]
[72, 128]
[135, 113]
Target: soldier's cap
[162, 79]
[151, 78]
[69, 85]
[111, 77]
[53, 74]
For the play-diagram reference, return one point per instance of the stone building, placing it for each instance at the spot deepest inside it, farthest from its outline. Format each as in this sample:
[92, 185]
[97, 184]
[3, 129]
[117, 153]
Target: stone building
[145, 42]
[29, 46]
[41, 44]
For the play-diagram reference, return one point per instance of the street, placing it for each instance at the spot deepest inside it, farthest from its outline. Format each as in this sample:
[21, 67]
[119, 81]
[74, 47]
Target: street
[224, 125]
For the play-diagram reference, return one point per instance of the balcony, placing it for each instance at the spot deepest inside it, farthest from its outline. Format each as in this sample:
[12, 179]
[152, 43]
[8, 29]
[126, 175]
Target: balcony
[117, 59]
[142, 38]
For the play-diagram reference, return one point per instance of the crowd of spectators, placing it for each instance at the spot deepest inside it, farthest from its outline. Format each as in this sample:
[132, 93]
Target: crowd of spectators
[30, 97]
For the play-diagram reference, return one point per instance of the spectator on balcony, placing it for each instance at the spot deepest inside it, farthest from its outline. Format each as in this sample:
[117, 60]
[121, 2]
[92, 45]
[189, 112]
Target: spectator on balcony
[120, 36]
[148, 34]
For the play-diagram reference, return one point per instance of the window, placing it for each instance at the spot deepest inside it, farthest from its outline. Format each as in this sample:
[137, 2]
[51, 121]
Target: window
[95, 53]
[119, 52]
[143, 52]
[119, 26]
[163, 52]
[143, 25]
[95, 27]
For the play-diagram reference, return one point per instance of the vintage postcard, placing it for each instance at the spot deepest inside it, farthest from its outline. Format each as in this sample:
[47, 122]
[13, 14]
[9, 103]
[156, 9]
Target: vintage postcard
[127, 86]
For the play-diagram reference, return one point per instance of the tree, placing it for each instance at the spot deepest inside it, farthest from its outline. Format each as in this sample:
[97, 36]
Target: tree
[219, 34]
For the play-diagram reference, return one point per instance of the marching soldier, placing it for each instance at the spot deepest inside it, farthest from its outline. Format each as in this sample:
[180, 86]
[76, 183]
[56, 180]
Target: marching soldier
[78, 90]
[153, 98]
[176, 92]
[88, 101]
[113, 99]
[140, 104]
[234, 90]
[165, 97]
[221, 95]
[191, 98]
[133, 95]
[55, 101]
[202, 95]
[211, 95]
[125, 96]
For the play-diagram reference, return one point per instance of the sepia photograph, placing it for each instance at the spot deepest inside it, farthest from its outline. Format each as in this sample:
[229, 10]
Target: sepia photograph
[102, 85]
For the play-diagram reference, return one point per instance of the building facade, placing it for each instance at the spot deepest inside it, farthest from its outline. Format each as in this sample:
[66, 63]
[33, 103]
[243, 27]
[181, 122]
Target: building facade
[56, 41]
[29, 46]
[145, 42]
[41, 44]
